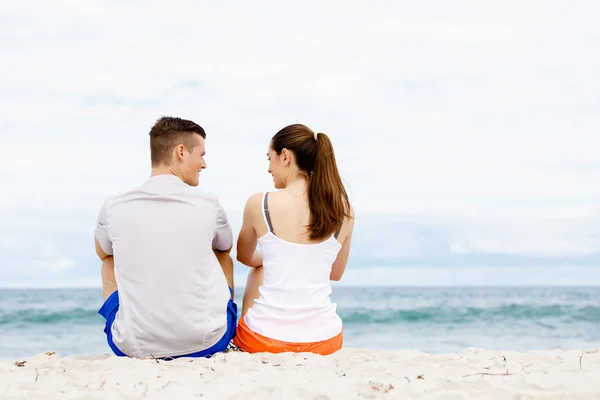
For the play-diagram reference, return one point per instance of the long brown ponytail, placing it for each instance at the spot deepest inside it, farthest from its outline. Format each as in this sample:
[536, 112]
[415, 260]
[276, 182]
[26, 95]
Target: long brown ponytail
[327, 197]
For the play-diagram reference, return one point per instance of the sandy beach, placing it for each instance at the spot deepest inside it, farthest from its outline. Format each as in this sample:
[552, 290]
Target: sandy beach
[350, 373]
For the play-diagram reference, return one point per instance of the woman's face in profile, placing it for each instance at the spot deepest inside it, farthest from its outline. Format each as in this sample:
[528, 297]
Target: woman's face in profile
[275, 168]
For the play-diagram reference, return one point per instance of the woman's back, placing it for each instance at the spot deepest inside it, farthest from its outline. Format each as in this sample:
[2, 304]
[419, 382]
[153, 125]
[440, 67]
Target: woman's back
[294, 303]
[290, 214]
[303, 232]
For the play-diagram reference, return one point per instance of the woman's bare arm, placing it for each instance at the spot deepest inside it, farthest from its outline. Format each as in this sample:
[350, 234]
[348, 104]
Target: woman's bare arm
[339, 265]
[247, 239]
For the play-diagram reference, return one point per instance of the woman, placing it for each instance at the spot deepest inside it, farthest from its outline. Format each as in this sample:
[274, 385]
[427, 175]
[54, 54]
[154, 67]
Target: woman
[304, 232]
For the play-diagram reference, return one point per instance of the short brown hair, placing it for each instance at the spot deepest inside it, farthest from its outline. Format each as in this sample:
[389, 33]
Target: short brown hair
[169, 132]
[327, 197]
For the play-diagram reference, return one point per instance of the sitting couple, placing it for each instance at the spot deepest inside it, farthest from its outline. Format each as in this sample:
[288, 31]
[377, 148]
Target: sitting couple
[167, 275]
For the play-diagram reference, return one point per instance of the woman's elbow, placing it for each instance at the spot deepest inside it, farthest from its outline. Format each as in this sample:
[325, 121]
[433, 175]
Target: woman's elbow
[246, 260]
[335, 276]
[337, 270]
[241, 258]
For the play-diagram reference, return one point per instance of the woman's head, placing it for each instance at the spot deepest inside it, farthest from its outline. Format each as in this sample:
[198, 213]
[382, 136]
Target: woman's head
[292, 153]
[298, 151]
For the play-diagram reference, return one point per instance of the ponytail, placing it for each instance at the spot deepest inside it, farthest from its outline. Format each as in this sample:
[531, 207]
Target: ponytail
[327, 197]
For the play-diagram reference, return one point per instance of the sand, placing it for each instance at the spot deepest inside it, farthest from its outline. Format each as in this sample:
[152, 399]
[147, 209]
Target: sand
[348, 374]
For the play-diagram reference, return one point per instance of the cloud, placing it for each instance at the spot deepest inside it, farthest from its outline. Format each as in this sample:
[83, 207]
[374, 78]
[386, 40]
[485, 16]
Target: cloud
[541, 238]
[50, 259]
[469, 129]
[445, 31]
[481, 275]
[55, 265]
[390, 249]
[467, 241]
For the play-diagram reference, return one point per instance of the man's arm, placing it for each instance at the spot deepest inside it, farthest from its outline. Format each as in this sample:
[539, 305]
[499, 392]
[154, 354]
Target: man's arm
[100, 252]
[102, 242]
[223, 240]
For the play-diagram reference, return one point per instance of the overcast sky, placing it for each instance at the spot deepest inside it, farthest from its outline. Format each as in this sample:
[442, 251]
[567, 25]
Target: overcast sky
[467, 131]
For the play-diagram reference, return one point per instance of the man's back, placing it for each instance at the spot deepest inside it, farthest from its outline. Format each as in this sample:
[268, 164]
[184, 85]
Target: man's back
[172, 291]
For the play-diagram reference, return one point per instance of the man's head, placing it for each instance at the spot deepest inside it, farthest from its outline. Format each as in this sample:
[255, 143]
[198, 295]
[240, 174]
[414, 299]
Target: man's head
[177, 145]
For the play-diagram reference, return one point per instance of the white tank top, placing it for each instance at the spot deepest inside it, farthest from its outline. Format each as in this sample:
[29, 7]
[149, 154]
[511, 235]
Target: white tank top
[294, 304]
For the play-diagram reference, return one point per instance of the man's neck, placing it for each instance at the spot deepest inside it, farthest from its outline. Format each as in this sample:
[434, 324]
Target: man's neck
[164, 170]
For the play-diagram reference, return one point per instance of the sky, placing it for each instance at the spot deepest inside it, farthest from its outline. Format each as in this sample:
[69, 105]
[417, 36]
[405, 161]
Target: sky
[467, 132]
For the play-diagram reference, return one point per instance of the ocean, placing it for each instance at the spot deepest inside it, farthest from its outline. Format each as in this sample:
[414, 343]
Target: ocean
[434, 320]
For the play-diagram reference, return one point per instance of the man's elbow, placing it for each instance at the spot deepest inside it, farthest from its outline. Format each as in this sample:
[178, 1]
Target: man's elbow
[227, 250]
[102, 255]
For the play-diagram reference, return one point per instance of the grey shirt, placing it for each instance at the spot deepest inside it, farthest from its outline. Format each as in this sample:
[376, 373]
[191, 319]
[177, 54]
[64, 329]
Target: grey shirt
[172, 291]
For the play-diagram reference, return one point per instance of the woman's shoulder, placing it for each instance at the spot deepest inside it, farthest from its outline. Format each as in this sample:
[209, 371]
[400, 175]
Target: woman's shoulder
[349, 217]
[349, 210]
[254, 200]
[276, 200]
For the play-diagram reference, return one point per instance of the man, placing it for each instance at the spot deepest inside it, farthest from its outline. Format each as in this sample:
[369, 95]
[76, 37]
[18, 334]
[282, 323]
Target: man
[165, 246]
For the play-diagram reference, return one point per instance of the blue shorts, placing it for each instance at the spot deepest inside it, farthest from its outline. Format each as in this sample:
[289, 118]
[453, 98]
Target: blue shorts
[111, 306]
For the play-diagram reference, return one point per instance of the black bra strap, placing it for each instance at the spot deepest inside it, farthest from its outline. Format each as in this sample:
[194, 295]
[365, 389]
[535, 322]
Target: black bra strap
[338, 232]
[266, 211]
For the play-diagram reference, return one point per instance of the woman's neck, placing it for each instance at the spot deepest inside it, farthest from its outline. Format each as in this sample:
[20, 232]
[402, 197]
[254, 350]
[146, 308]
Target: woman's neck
[297, 186]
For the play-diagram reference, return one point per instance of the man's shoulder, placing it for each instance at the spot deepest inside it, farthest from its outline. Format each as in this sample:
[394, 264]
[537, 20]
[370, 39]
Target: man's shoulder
[201, 195]
[122, 196]
[145, 192]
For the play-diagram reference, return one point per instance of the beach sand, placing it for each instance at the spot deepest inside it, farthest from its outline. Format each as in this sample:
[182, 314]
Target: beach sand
[348, 374]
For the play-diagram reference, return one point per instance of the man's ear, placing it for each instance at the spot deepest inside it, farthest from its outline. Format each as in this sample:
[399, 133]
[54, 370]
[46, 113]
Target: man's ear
[179, 152]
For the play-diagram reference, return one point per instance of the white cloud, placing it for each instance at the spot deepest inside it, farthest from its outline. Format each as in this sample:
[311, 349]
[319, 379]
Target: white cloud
[478, 114]
[445, 31]
[55, 265]
[482, 275]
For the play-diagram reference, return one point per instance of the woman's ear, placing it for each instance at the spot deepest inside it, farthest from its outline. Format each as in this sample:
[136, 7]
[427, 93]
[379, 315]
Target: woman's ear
[285, 157]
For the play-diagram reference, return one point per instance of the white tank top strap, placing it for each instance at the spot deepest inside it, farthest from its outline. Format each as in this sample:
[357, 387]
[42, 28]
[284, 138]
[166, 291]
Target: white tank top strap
[266, 214]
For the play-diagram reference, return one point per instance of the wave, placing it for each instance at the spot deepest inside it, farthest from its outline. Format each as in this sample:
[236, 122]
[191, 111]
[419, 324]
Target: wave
[44, 316]
[456, 315]
[356, 316]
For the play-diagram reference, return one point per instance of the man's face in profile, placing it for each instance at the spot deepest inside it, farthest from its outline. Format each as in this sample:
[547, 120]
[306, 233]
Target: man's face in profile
[192, 162]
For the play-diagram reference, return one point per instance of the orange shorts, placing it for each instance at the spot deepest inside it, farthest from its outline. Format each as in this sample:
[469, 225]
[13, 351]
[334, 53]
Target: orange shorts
[252, 342]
